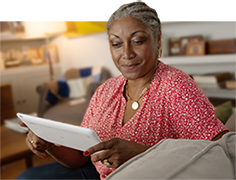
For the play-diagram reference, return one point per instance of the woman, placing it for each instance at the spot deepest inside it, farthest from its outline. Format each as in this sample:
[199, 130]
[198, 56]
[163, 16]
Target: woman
[150, 101]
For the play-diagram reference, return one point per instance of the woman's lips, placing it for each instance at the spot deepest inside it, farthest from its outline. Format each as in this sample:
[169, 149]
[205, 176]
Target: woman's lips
[130, 67]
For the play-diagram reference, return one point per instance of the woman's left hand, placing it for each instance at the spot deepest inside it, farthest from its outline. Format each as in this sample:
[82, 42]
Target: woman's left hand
[116, 151]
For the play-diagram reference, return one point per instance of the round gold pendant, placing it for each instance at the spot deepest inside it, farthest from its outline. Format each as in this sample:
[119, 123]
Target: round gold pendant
[135, 105]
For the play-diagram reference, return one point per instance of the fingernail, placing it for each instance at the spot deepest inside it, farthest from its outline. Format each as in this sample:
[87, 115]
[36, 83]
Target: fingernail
[43, 156]
[86, 153]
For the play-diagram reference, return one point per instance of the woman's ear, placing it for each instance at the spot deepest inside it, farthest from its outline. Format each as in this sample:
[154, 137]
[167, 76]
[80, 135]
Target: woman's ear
[159, 47]
[159, 39]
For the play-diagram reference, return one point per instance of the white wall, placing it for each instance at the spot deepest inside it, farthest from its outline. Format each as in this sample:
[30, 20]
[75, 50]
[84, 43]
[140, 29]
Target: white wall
[85, 51]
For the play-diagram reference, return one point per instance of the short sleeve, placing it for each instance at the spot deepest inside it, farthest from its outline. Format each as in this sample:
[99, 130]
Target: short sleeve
[193, 114]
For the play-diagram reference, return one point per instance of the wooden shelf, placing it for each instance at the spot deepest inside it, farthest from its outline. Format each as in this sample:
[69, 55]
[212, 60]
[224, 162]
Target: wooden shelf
[28, 69]
[207, 59]
[203, 64]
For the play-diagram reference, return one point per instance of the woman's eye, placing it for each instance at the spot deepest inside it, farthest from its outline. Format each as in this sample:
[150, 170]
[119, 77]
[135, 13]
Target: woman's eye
[139, 42]
[116, 45]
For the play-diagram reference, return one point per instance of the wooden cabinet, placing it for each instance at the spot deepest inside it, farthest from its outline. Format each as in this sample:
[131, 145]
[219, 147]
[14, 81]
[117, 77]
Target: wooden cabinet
[24, 81]
[7, 107]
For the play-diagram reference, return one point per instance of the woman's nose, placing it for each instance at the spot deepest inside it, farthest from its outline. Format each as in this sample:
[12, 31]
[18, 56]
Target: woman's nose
[128, 52]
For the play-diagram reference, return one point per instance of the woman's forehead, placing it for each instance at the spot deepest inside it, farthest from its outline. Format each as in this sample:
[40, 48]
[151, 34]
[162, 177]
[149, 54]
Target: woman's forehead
[127, 25]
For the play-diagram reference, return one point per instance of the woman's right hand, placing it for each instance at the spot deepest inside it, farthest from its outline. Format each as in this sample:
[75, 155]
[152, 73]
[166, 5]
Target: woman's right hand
[37, 145]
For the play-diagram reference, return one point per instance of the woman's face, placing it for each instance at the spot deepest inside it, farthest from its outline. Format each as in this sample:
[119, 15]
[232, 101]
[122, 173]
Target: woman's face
[133, 48]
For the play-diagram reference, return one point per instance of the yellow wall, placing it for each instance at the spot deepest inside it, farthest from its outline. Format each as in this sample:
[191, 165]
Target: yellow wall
[85, 17]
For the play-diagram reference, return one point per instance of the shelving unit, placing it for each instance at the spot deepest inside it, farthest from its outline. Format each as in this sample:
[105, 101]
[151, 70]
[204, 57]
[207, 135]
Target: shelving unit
[206, 64]
[25, 79]
[219, 59]
[203, 64]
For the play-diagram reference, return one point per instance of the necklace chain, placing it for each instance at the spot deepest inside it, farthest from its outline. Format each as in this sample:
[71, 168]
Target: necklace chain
[135, 104]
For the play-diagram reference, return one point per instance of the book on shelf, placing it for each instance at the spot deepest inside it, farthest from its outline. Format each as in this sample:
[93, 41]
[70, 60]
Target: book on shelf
[212, 78]
[230, 84]
[14, 125]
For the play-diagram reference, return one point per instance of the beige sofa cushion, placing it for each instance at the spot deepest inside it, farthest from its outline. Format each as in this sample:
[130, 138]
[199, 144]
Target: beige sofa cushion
[182, 159]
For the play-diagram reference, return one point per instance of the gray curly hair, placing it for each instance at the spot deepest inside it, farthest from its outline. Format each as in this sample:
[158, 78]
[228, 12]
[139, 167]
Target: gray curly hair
[142, 12]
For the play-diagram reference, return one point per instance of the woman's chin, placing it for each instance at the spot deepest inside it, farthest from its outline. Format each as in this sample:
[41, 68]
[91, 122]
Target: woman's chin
[130, 72]
[130, 76]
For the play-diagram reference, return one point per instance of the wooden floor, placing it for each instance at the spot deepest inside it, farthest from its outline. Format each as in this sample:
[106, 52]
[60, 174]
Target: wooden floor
[12, 170]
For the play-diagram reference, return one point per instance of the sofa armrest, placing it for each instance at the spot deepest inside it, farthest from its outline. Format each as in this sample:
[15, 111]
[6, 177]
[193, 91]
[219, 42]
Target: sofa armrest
[231, 122]
[91, 90]
[42, 90]
[105, 74]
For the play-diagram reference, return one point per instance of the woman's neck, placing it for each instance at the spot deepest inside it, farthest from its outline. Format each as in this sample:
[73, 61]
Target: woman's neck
[135, 87]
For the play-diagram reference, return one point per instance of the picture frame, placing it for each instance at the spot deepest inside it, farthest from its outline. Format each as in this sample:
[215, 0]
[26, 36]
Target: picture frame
[5, 27]
[185, 39]
[18, 27]
[49, 53]
[196, 48]
[35, 56]
[174, 47]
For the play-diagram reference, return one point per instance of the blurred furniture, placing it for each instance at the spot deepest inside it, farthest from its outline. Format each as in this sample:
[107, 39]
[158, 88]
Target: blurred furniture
[69, 110]
[14, 147]
[7, 107]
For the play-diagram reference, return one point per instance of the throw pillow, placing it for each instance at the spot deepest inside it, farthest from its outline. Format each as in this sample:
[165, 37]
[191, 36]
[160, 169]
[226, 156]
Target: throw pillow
[224, 111]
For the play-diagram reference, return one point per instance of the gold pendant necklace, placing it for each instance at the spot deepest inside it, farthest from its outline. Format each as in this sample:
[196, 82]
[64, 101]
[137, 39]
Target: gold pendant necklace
[135, 104]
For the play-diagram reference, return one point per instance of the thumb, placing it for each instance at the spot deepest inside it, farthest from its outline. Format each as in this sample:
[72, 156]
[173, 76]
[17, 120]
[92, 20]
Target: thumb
[22, 124]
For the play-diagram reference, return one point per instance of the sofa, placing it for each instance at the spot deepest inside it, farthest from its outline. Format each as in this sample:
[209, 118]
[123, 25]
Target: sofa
[187, 159]
[183, 159]
[67, 98]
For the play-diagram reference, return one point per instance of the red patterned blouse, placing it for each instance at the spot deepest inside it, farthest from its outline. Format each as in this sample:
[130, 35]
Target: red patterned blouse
[173, 107]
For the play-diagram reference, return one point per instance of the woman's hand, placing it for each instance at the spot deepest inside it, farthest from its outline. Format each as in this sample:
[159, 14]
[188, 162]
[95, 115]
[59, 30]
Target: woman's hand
[22, 124]
[115, 151]
[37, 145]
